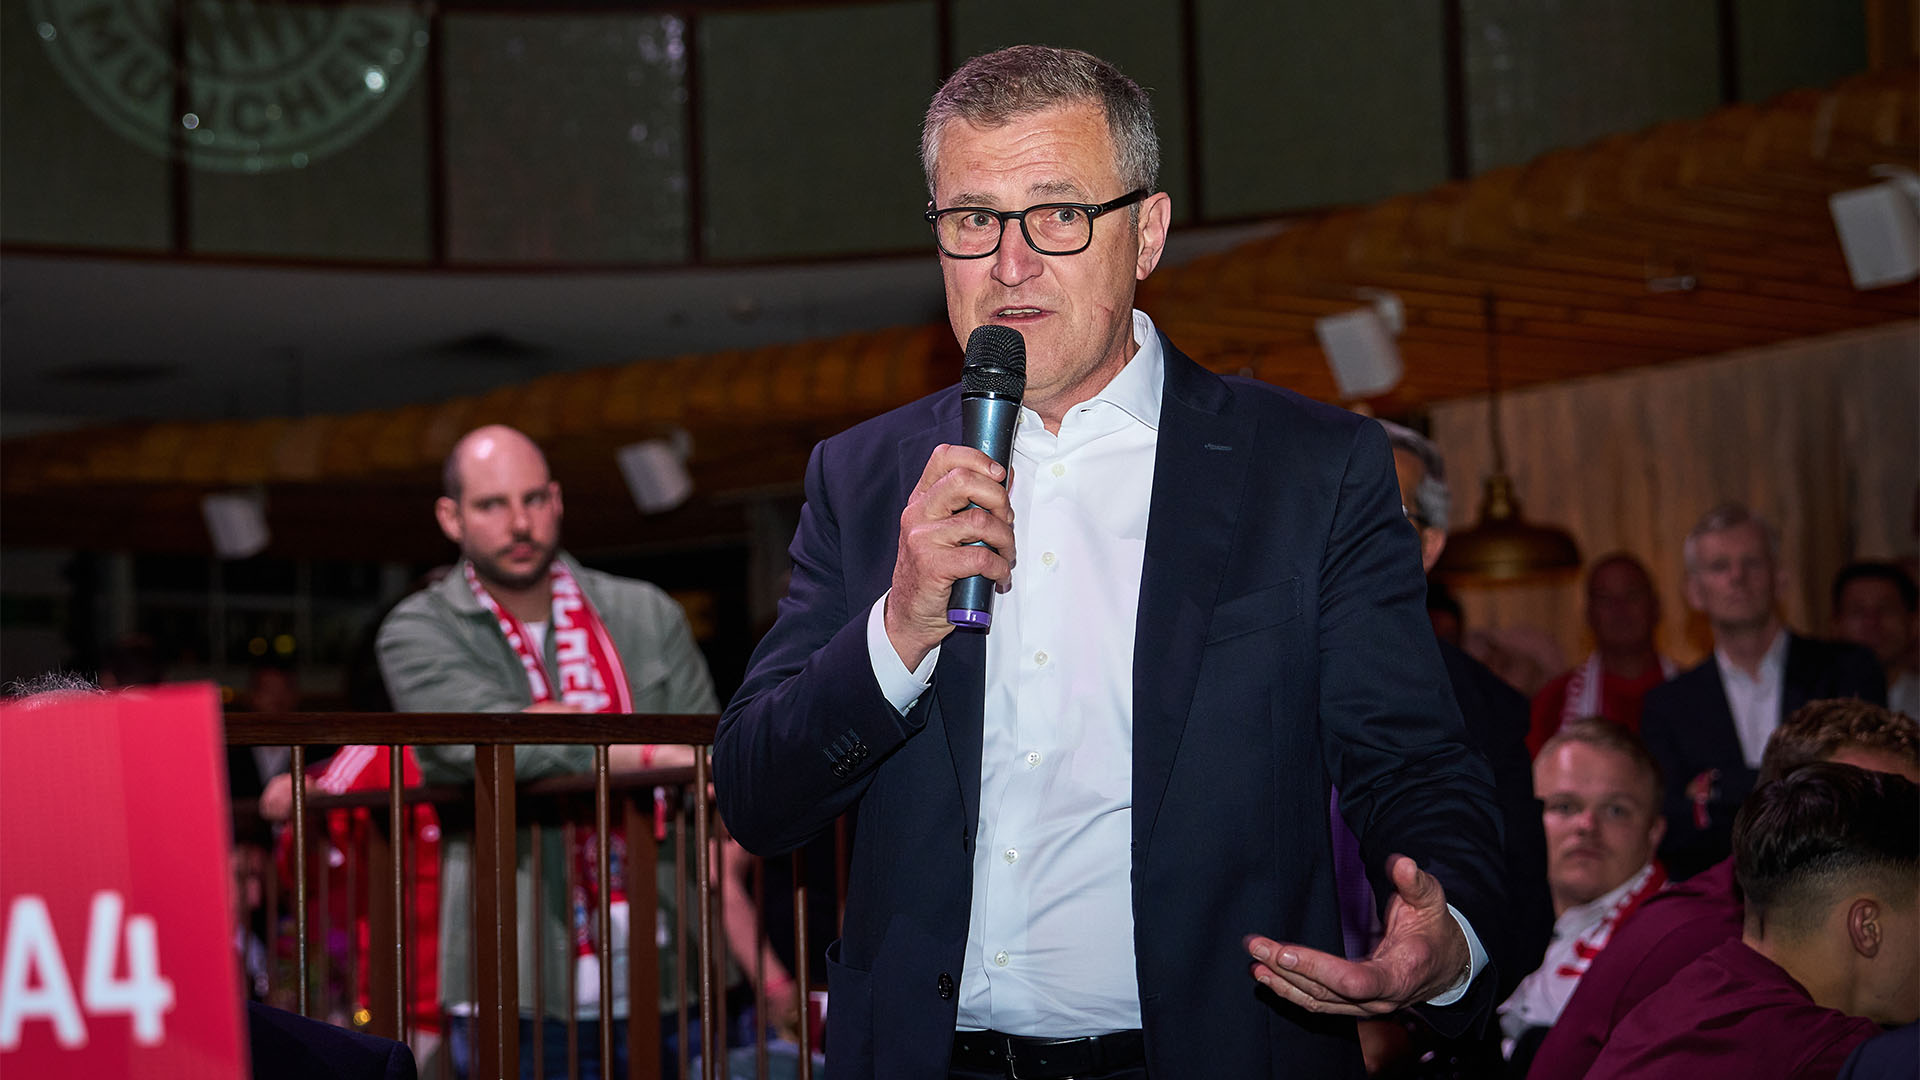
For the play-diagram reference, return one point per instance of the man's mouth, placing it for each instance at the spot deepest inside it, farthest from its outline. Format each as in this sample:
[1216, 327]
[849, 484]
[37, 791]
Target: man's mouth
[1018, 312]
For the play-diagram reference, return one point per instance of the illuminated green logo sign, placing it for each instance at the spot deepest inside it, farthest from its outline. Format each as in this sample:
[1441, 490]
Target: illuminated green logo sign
[268, 86]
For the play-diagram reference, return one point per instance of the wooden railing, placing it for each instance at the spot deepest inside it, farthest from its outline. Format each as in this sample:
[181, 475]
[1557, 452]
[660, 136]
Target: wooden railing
[499, 807]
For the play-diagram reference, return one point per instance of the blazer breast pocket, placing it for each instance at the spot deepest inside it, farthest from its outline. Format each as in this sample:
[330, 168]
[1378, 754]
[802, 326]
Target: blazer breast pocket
[1258, 610]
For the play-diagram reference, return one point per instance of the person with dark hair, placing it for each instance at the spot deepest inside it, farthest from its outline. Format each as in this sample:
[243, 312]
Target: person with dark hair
[1600, 793]
[1075, 832]
[1623, 611]
[1877, 605]
[1685, 921]
[1828, 860]
[1709, 725]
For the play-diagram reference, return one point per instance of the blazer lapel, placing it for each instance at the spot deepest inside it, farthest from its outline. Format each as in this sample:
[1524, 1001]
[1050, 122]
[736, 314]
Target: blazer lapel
[1200, 466]
[1799, 675]
[959, 680]
[1722, 739]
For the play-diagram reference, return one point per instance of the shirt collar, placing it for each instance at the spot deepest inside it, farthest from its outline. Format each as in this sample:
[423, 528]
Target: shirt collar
[1770, 665]
[1580, 918]
[1136, 390]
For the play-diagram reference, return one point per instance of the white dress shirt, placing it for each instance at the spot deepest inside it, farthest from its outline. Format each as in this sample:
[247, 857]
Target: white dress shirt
[1755, 700]
[1903, 695]
[1050, 942]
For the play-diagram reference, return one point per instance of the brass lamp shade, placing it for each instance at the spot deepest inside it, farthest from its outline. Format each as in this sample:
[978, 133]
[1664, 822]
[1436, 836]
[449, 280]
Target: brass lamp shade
[1502, 547]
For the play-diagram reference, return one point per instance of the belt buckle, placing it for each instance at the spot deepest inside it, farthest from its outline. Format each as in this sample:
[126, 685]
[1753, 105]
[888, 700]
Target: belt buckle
[1013, 1067]
[1013, 1060]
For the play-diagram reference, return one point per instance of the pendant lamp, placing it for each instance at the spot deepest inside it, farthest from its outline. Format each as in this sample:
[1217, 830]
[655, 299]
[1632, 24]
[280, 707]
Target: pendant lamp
[1502, 547]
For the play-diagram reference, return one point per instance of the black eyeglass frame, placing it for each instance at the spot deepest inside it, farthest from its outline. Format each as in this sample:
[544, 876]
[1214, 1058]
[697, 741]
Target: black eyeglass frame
[1092, 210]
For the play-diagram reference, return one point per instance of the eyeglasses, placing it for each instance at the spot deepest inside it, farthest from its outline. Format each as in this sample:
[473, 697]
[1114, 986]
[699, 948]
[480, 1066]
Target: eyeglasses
[1059, 228]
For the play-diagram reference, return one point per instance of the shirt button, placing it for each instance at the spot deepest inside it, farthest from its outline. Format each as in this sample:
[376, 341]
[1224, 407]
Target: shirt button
[1001, 958]
[1040, 657]
[1033, 758]
[1047, 558]
[1059, 470]
[1012, 855]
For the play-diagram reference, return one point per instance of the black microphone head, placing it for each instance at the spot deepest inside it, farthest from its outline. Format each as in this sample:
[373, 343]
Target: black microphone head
[996, 362]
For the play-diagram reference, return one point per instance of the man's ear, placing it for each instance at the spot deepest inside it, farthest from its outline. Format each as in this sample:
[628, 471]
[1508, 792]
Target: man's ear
[1432, 542]
[1156, 216]
[447, 513]
[553, 496]
[1863, 926]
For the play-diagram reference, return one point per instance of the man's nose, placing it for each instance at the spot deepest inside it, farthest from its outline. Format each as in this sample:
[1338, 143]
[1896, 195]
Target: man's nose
[1016, 261]
[520, 521]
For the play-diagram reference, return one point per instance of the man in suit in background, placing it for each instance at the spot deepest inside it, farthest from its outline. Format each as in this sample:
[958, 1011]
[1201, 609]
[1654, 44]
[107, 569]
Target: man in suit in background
[1074, 830]
[1709, 725]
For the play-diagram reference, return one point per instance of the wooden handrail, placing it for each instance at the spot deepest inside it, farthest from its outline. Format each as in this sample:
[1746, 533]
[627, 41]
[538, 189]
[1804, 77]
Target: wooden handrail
[474, 729]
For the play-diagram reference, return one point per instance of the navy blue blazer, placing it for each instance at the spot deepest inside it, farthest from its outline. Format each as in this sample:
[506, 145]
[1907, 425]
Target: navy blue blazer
[1688, 726]
[1282, 644]
[287, 1046]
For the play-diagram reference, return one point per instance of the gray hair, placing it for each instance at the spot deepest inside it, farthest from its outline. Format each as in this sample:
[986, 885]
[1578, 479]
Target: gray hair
[1433, 498]
[991, 90]
[37, 690]
[1729, 515]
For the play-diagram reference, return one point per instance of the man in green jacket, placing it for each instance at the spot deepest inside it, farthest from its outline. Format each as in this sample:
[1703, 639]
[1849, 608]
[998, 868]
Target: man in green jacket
[519, 626]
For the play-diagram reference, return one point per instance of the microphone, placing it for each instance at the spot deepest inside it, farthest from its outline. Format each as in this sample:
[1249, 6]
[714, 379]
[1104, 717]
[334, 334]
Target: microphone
[992, 380]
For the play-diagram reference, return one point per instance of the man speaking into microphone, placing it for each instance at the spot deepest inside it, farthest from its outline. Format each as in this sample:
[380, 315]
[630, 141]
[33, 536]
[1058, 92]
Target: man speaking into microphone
[1092, 839]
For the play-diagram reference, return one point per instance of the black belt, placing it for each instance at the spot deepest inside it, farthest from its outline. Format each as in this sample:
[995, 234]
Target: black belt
[1023, 1058]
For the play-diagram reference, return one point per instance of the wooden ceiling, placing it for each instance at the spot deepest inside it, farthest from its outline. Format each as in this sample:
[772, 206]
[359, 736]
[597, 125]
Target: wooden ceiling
[1690, 239]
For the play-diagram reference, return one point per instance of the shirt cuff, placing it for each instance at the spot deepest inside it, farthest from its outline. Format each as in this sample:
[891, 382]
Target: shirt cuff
[1476, 957]
[902, 687]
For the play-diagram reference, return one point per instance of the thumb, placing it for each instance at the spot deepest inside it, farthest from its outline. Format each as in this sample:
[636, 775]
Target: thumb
[1415, 886]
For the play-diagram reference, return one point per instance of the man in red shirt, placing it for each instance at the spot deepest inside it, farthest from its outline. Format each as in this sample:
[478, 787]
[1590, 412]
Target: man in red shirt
[1679, 925]
[1829, 862]
[1622, 612]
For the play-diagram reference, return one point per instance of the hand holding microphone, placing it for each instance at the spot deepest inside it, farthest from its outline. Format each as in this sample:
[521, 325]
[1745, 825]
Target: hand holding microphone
[956, 533]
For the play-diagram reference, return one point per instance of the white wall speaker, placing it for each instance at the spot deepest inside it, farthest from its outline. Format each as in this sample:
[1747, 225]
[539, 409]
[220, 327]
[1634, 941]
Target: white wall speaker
[237, 522]
[656, 472]
[1360, 346]
[1879, 229]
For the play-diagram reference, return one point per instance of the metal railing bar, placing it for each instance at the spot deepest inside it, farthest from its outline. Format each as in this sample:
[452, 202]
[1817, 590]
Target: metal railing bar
[681, 813]
[303, 868]
[760, 998]
[603, 860]
[571, 838]
[400, 823]
[802, 961]
[703, 868]
[539, 941]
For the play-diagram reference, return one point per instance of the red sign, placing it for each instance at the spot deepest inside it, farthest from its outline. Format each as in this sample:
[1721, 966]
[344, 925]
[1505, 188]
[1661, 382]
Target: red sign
[116, 949]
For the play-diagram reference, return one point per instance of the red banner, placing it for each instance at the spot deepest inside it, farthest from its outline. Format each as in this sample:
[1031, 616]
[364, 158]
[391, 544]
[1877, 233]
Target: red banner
[116, 950]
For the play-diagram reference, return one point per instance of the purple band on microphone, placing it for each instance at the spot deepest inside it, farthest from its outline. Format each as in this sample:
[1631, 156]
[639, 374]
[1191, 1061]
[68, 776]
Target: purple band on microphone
[973, 620]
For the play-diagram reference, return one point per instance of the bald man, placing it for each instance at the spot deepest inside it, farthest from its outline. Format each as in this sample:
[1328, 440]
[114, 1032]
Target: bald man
[518, 626]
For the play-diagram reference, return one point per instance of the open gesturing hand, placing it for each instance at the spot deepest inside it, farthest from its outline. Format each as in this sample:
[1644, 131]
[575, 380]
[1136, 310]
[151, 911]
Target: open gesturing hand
[1421, 956]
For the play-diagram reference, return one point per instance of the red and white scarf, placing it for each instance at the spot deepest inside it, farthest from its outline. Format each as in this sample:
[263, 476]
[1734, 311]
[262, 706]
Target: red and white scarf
[1579, 935]
[1583, 689]
[591, 679]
